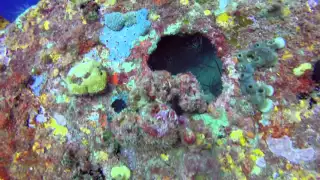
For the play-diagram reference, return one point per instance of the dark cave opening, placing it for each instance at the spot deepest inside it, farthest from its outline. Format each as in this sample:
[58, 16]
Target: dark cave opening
[190, 53]
[118, 105]
[175, 105]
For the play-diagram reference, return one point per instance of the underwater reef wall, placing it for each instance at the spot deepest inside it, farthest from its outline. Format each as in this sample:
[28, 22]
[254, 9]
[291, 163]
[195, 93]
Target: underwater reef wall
[161, 89]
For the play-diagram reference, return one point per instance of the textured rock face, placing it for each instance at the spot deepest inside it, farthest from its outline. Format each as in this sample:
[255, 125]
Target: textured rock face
[81, 98]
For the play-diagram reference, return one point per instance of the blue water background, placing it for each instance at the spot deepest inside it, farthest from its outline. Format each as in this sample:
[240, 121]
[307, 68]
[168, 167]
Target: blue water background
[11, 9]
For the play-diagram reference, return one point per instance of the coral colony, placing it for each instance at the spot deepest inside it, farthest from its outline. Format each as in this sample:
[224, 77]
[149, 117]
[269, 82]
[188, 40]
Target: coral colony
[160, 90]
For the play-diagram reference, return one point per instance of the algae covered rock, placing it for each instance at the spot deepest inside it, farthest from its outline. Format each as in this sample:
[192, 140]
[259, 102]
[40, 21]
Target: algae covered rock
[86, 78]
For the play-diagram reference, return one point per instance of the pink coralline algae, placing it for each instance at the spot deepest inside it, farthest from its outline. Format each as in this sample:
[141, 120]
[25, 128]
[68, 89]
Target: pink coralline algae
[160, 121]
[200, 163]
[190, 93]
[172, 106]
[161, 85]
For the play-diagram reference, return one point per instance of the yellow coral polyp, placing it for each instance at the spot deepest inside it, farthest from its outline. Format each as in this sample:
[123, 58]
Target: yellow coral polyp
[303, 175]
[300, 70]
[101, 156]
[16, 157]
[37, 148]
[200, 138]
[286, 11]
[55, 56]
[237, 136]
[43, 98]
[256, 154]
[207, 12]
[164, 157]
[287, 55]
[69, 11]
[55, 72]
[85, 142]
[85, 130]
[184, 2]
[58, 130]
[46, 25]
[224, 20]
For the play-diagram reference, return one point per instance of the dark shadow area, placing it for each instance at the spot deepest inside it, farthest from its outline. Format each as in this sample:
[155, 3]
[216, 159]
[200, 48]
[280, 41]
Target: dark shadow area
[190, 53]
[316, 72]
[118, 105]
[175, 105]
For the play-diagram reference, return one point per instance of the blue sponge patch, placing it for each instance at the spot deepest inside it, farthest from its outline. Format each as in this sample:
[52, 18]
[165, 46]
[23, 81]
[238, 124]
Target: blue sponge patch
[38, 82]
[119, 36]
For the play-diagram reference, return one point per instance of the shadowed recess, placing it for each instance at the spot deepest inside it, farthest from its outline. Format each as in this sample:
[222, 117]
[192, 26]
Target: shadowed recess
[190, 53]
[118, 105]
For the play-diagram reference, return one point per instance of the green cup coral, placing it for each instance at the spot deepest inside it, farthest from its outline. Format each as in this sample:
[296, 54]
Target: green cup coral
[120, 173]
[86, 78]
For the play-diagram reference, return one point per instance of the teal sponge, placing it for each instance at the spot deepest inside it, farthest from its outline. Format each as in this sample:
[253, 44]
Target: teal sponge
[259, 97]
[114, 21]
[263, 53]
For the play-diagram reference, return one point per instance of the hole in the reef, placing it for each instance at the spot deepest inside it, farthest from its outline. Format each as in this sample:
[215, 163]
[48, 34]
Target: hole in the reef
[118, 105]
[251, 56]
[175, 105]
[260, 90]
[190, 53]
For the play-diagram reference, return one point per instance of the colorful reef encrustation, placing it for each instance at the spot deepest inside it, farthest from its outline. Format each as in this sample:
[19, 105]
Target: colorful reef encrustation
[160, 90]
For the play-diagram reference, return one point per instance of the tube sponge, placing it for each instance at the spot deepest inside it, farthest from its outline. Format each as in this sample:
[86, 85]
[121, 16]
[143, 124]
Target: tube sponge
[259, 97]
[266, 105]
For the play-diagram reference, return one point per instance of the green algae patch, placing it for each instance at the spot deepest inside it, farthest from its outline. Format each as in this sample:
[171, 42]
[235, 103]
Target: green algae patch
[120, 173]
[215, 124]
[173, 28]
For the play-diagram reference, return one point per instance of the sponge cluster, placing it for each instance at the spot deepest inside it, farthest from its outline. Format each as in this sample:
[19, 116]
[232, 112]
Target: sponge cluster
[260, 55]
